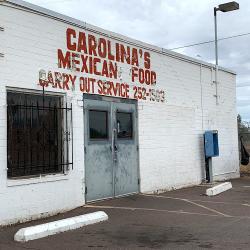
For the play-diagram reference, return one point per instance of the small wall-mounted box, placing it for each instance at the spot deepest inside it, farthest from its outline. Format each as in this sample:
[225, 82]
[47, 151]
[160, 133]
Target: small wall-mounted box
[211, 144]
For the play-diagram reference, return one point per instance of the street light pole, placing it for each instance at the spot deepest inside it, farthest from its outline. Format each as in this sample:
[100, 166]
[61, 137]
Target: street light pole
[216, 54]
[226, 7]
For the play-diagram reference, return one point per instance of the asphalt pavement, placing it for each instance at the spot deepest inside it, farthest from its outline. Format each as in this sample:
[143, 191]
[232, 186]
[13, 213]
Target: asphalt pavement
[180, 219]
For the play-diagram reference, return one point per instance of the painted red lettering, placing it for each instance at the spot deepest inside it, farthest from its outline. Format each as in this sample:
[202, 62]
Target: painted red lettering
[63, 61]
[117, 49]
[90, 65]
[153, 78]
[147, 60]
[87, 84]
[82, 43]
[92, 45]
[84, 64]
[58, 80]
[95, 61]
[141, 76]
[125, 55]
[70, 33]
[134, 60]
[110, 55]
[102, 48]
[65, 81]
[113, 70]
[75, 61]
[147, 77]
[134, 73]
[50, 79]
[100, 89]
[105, 71]
[72, 80]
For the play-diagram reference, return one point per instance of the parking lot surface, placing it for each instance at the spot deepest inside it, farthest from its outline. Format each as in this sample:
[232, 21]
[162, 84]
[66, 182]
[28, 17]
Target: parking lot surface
[180, 219]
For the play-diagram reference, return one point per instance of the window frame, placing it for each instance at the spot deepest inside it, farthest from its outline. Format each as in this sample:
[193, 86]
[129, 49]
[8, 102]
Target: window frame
[132, 125]
[62, 147]
[107, 125]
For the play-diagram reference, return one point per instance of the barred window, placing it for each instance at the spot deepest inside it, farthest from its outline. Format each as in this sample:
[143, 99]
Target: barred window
[34, 134]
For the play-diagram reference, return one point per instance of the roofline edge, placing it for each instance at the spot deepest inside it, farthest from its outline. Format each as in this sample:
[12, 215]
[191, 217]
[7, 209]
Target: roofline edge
[81, 24]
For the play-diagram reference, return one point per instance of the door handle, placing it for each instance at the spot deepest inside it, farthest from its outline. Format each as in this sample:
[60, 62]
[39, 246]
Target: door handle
[114, 140]
[114, 146]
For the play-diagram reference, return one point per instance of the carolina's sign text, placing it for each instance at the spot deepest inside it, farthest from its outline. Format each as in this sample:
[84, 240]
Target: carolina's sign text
[95, 63]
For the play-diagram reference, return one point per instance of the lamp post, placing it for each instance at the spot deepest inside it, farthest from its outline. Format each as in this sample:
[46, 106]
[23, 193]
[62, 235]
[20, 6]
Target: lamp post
[226, 7]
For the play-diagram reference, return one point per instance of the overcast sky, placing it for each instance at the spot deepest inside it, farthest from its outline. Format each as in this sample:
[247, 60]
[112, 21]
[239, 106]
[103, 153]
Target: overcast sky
[173, 23]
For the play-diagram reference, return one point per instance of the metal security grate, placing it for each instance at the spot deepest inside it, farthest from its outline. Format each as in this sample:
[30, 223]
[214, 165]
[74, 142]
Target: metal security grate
[38, 134]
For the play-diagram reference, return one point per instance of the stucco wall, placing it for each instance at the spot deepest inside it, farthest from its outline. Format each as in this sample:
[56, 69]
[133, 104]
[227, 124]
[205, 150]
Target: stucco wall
[171, 135]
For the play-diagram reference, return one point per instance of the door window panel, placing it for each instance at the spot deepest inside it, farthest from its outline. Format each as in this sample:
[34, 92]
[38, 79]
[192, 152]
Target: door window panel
[124, 123]
[98, 124]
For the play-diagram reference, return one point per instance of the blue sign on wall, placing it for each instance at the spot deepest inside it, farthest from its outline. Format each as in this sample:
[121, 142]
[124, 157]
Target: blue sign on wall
[211, 144]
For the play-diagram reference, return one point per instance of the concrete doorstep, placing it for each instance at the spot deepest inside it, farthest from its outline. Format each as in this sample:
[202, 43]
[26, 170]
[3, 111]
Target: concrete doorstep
[55, 227]
[218, 188]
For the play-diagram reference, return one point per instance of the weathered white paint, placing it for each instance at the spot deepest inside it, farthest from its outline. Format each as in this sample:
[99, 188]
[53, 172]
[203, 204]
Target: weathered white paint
[170, 134]
[55, 227]
[218, 188]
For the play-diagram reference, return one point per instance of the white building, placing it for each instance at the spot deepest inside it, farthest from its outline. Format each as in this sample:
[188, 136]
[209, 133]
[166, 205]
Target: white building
[118, 116]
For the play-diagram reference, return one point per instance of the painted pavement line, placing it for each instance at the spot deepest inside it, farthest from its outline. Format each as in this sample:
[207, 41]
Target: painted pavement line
[194, 203]
[167, 211]
[156, 210]
[215, 202]
[209, 209]
[218, 202]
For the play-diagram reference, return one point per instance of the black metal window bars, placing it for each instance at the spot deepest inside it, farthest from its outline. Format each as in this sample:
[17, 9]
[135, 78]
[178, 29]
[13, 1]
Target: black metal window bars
[39, 131]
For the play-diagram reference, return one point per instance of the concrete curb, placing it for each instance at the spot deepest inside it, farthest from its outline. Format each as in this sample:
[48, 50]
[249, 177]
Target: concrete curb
[55, 227]
[218, 189]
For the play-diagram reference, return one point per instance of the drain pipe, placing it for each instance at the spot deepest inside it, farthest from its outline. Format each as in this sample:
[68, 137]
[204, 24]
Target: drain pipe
[216, 56]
